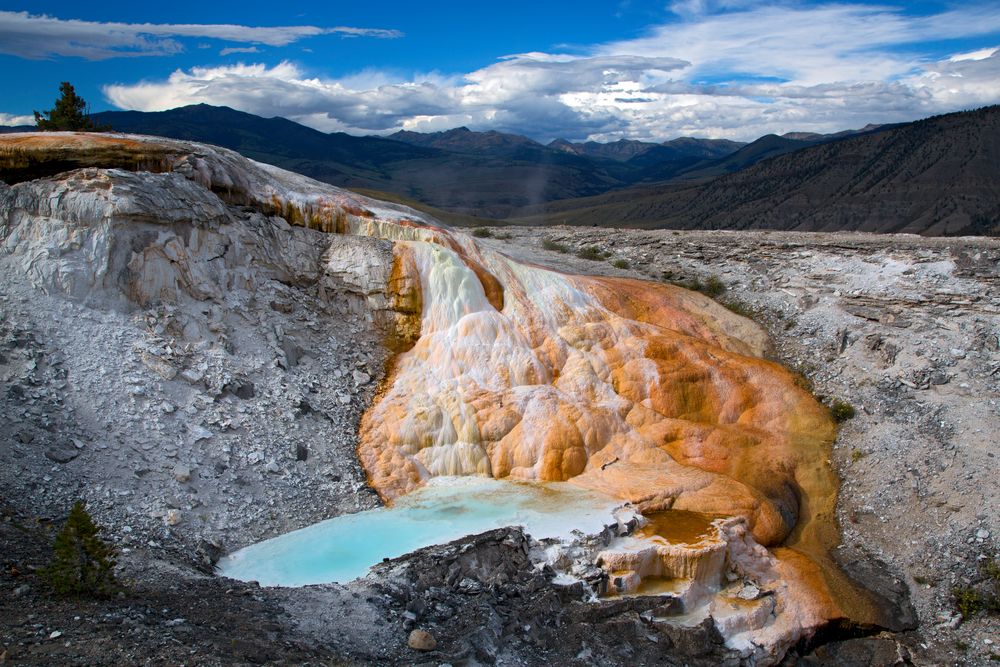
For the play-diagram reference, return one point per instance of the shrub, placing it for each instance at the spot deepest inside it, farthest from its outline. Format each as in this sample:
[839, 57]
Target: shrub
[967, 600]
[970, 600]
[620, 264]
[990, 569]
[713, 287]
[740, 309]
[841, 410]
[591, 252]
[549, 244]
[81, 563]
[482, 233]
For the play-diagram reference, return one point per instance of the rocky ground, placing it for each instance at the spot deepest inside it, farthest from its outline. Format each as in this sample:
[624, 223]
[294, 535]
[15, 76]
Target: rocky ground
[184, 450]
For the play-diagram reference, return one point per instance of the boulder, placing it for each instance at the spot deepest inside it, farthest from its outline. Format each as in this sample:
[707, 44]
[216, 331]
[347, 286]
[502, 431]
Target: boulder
[421, 640]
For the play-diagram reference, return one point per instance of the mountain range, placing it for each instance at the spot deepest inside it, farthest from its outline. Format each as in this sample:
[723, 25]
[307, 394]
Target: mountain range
[936, 176]
[939, 176]
[487, 174]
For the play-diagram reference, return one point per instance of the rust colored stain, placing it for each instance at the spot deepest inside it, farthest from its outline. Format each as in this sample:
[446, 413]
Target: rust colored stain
[406, 300]
[491, 286]
[73, 142]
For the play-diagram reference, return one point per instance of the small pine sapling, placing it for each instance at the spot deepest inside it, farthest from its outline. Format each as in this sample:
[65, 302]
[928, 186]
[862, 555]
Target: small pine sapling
[82, 564]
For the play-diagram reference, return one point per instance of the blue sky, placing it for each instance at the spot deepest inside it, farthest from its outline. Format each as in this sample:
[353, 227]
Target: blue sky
[577, 70]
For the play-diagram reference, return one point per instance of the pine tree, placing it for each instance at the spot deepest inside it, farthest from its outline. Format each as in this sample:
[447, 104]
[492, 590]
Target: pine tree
[68, 113]
[81, 564]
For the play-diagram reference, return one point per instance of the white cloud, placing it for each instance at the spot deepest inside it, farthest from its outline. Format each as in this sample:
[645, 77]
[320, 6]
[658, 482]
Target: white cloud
[980, 54]
[12, 119]
[515, 93]
[808, 44]
[36, 37]
[238, 49]
[724, 68]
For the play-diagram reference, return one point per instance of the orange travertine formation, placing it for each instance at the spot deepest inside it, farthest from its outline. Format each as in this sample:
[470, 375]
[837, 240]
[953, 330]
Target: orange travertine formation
[646, 392]
[642, 391]
[631, 388]
[72, 141]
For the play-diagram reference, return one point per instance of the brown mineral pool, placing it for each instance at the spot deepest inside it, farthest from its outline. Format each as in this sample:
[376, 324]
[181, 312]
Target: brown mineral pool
[662, 586]
[678, 526]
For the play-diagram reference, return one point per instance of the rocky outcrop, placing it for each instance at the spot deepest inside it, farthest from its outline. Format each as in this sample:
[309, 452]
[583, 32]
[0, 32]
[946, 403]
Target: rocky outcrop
[484, 600]
[112, 237]
[199, 359]
[378, 282]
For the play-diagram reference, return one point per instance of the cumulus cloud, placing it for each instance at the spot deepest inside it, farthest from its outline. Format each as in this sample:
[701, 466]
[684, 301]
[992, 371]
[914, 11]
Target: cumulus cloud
[516, 93]
[11, 119]
[723, 68]
[283, 90]
[36, 37]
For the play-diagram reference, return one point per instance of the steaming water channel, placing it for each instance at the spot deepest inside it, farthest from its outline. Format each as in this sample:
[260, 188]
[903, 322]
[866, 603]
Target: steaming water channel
[343, 548]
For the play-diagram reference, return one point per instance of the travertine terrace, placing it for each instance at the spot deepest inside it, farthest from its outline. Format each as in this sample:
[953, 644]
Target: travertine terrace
[643, 391]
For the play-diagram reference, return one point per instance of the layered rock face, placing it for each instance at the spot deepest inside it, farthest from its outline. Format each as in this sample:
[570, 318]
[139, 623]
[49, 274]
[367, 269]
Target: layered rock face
[645, 392]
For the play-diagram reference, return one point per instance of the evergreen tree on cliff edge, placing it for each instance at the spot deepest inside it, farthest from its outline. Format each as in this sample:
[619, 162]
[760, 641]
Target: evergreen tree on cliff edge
[68, 113]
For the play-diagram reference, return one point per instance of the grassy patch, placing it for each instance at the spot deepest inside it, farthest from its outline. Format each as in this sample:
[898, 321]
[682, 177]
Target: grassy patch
[593, 253]
[842, 410]
[549, 244]
[713, 287]
[968, 601]
[740, 309]
[856, 456]
[620, 264]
